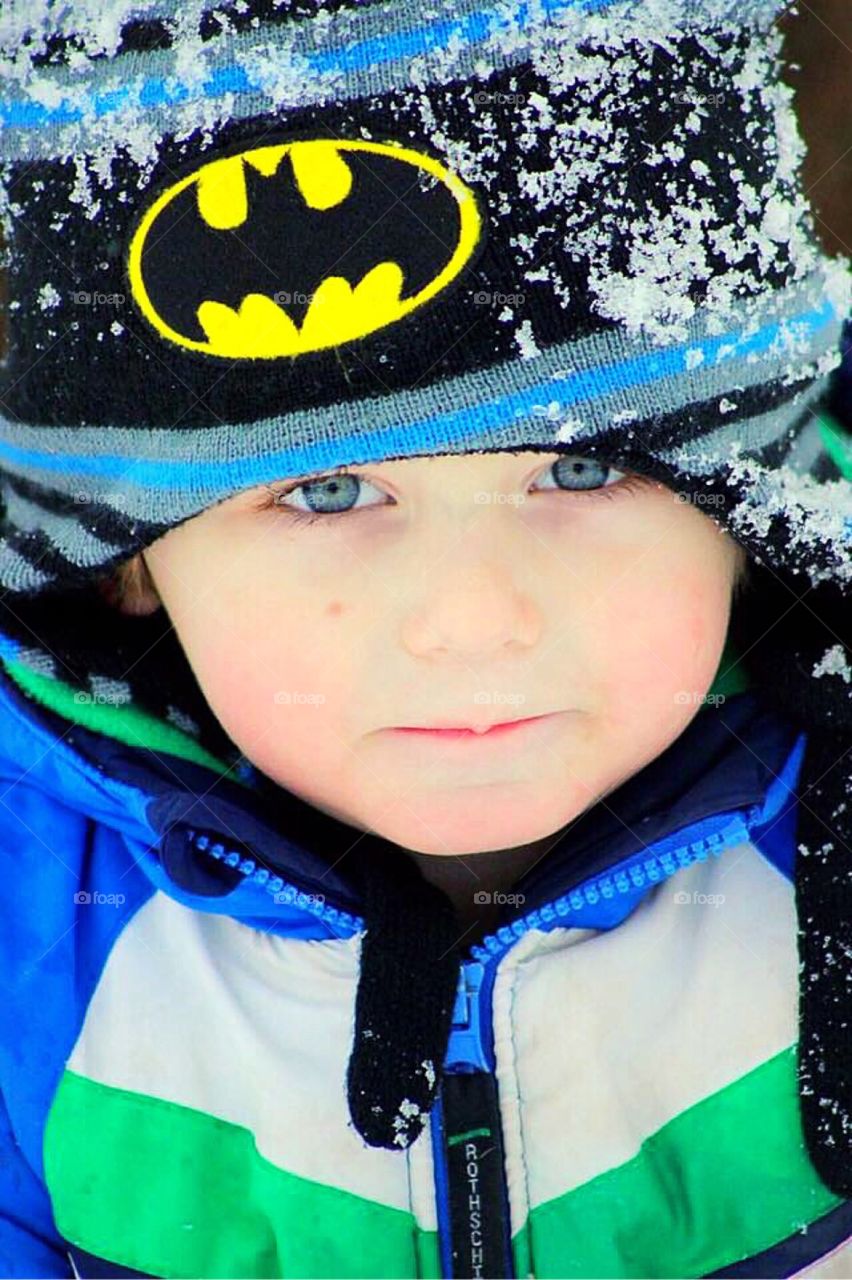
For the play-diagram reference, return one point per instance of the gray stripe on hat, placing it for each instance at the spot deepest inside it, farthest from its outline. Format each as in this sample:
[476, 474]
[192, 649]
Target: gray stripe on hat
[290, 65]
[17, 574]
[38, 660]
[182, 720]
[411, 422]
[808, 447]
[105, 690]
[27, 515]
[702, 456]
[307, 61]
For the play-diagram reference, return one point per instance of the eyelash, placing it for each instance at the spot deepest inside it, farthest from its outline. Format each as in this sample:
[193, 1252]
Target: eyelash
[629, 484]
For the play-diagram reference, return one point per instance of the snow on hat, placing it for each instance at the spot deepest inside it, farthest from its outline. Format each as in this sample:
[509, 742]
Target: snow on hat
[271, 239]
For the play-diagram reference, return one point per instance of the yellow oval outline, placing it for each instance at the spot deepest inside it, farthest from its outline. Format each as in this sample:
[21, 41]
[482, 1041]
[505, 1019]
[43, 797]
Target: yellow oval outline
[469, 234]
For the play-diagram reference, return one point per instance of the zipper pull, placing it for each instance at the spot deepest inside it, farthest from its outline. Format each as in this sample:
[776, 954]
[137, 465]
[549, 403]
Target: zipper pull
[465, 1050]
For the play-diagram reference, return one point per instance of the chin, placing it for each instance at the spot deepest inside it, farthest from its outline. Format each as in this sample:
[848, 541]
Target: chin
[478, 820]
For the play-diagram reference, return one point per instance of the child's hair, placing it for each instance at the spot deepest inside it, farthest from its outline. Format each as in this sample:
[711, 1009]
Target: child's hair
[743, 571]
[128, 586]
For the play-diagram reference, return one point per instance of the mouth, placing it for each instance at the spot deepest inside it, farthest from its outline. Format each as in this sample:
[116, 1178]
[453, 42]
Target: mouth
[475, 731]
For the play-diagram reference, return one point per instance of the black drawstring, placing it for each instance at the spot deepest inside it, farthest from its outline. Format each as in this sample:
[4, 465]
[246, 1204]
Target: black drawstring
[406, 992]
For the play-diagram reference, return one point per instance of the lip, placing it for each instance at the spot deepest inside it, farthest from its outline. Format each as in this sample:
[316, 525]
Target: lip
[503, 729]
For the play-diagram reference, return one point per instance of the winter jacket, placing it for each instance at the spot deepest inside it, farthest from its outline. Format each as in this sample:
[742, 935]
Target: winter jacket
[620, 1095]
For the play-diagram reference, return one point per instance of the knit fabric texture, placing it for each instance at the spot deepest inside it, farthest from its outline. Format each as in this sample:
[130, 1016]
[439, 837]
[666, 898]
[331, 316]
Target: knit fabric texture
[271, 239]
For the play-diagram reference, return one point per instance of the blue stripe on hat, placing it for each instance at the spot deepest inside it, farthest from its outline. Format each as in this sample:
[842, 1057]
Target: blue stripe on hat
[576, 388]
[360, 55]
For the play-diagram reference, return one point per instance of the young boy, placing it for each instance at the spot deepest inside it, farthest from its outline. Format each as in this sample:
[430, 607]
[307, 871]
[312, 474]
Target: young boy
[424, 545]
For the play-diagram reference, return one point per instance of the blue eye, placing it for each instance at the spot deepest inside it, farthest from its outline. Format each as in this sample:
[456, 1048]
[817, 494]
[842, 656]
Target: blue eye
[328, 495]
[574, 471]
[331, 494]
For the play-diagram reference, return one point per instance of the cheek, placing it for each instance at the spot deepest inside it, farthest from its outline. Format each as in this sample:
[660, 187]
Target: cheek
[283, 680]
[663, 637]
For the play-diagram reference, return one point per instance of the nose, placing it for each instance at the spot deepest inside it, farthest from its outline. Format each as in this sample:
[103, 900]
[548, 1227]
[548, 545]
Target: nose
[472, 610]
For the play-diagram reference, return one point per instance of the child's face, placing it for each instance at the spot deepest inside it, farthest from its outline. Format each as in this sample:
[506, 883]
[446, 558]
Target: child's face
[457, 589]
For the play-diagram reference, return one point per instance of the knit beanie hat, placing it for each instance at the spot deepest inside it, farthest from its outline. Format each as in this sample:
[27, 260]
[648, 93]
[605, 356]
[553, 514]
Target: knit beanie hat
[275, 237]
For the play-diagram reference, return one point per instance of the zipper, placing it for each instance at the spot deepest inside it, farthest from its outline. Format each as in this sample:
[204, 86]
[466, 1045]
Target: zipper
[474, 1220]
[283, 891]
[638, 871]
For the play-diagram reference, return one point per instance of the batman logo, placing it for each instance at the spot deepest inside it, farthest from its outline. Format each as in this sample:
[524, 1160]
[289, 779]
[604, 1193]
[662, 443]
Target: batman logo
[298, 246]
